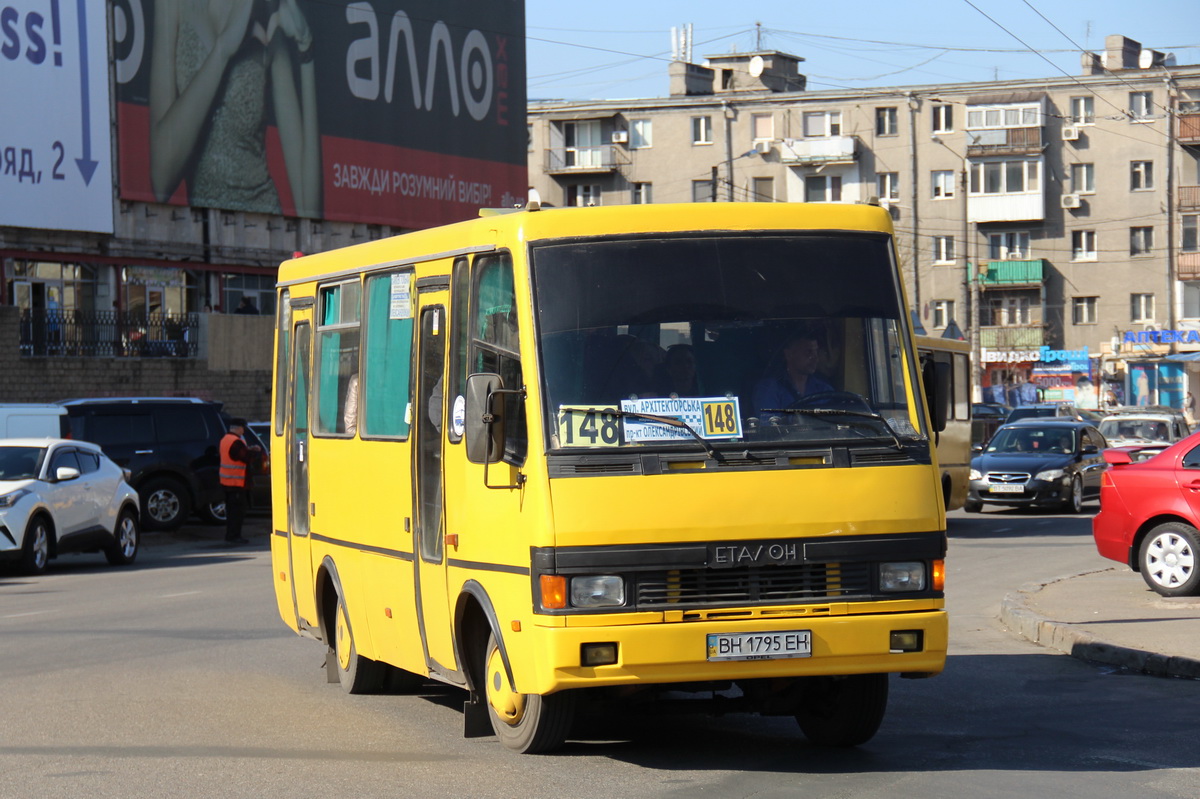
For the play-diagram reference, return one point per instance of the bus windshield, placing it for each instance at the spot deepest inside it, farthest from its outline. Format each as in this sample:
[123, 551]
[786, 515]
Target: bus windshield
[792, 338]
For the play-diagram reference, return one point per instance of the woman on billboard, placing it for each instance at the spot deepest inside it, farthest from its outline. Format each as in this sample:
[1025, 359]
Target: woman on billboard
[212, 64]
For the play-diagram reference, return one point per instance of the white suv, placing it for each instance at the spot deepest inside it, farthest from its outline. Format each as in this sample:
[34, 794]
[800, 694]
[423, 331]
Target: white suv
[1150, 431]
[59, 496]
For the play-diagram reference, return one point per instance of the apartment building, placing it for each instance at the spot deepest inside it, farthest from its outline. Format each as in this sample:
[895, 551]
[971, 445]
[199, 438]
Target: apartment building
[1054, 221]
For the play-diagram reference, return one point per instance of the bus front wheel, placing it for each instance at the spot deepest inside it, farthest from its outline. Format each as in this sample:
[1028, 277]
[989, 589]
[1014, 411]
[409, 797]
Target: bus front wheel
[525, 723]
[357, 674]
[843, 711]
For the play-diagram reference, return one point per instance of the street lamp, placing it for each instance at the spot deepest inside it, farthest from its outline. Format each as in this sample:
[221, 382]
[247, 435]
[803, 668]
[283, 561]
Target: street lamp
[973, 278]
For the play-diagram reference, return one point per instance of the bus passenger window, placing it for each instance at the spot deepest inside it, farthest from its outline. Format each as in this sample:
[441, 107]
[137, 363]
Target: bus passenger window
[337, 353]
[387, 356]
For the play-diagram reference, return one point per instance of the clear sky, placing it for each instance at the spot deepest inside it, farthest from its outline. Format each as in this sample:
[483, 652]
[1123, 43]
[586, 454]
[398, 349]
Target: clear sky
[620, 48]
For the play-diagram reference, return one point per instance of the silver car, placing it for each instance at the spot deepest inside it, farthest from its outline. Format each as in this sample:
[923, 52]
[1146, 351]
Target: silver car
[59, 496]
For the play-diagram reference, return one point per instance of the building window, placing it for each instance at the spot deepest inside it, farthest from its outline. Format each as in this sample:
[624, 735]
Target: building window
[886, 122]
[641, 133]
[1141, 308]
[1083, 178]
[581, 144]
[1190, 233]
[1140, 105]
[1005, 177]
[702, 130]
[943, 184]
[889, 185]
[1083, 111]
[943, 313]
[579, 196]
[943, 249]
[1141, 240]
[1012, 245]
[1083, 310]
[762, 126]
[1006, 116]
[703, 191]
[642, 194]
[1141, 175]
[823, 189]
[943, 119]
[1083, 245]
[764, 190]
[1010, 311]
[823, 123]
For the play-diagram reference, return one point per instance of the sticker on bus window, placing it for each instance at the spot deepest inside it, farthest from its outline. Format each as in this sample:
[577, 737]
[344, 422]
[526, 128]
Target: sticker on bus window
[588, 426]
[716, 418]
[400, 306]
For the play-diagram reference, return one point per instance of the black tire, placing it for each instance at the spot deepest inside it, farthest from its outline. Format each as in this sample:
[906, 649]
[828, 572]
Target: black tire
[1167, 559]
[1074, 503]
[165, 503]
[35, 547]
[357, 674]
[843, 711]
[214, 512]
[525, 723]
[127, 537]
[972, 505]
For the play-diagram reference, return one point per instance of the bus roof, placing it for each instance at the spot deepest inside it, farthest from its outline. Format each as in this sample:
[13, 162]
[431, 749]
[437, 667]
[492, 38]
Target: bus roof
[503, 230]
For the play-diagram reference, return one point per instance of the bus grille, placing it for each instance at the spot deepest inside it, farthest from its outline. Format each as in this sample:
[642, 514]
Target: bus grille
[814, 582]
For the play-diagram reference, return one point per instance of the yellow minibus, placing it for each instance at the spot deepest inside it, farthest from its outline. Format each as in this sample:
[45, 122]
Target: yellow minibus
[558, 455]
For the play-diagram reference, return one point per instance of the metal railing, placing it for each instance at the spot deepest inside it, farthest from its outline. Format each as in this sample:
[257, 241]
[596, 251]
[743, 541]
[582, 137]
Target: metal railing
[47, 333]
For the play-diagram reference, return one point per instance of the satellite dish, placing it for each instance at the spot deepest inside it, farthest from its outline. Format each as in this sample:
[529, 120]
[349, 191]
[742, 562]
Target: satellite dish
[756, 66]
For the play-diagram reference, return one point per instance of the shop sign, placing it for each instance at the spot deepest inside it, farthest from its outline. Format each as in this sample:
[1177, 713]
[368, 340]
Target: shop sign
[1076, 360]
[1008, 356]
[1161, 337]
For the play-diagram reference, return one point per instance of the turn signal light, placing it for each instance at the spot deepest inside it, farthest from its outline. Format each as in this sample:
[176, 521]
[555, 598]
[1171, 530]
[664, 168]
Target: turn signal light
[554, 591]
[939, 575]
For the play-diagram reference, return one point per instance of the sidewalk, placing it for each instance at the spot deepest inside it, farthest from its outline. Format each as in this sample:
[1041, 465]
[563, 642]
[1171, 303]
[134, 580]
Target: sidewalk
[1110, 616]
[256, 528]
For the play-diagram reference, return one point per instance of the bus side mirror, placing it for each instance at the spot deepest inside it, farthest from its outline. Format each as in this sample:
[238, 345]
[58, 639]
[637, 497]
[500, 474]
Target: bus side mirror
[936, 377]
[484, 418]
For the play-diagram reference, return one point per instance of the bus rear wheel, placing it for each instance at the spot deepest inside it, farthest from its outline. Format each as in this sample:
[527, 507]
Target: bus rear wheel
[525, 723]
[843, 711]
[357, 674]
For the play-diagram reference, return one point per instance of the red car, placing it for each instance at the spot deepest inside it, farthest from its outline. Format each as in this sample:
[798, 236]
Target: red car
[1149, 514]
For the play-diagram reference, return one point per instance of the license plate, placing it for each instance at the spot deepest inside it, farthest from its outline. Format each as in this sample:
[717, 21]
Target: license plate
[760, 646]
[1007, 489]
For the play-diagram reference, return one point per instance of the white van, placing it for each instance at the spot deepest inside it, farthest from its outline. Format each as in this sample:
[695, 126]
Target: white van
[31, 420]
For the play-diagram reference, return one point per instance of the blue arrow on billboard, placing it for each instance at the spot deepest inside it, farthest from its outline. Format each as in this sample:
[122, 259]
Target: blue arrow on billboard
[87, 167]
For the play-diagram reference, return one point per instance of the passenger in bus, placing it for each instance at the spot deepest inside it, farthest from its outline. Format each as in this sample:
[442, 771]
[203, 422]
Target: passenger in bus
[633, 371]
[350, 409]
[677, 373]
[796, 377]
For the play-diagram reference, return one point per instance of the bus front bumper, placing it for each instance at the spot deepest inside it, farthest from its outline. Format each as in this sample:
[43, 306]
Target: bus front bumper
[668, 653]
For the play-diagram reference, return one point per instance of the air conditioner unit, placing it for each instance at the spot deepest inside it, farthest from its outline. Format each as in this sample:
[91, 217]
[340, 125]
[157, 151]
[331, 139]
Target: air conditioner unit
[620, 137]
[1071, 201]
[762, 146]
[1070, 133]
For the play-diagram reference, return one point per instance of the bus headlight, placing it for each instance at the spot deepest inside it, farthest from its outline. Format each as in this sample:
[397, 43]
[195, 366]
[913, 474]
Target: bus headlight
[902, 576]
[597, 591]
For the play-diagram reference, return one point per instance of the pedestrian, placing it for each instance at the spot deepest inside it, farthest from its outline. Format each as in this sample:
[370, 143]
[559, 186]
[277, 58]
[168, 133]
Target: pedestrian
[237, 461]
[1190, 407]
[246, 306]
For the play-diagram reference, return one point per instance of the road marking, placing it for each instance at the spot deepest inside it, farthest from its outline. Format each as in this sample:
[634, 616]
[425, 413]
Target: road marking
[30, 613]
[172, 596]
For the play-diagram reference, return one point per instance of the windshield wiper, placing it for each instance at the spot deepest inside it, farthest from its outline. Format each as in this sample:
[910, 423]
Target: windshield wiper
[841, 412]
[671, 421]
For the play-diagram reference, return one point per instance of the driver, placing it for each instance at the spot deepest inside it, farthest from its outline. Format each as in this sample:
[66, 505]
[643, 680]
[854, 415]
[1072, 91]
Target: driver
[798, 376]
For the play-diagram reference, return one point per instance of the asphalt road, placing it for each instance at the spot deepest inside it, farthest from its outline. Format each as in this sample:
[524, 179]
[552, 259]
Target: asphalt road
[176, 678]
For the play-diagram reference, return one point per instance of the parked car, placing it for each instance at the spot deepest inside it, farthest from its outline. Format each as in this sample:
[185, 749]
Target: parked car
[1053, 409]
[263, 431]
[59, 496]
[168, 444]
[1039, 462]
[1146, 432]
[31, 420]
[1149, 514]
[985, 418]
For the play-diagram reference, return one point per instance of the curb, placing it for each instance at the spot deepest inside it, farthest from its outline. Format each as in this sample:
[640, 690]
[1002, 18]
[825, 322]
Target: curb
[1070, 640]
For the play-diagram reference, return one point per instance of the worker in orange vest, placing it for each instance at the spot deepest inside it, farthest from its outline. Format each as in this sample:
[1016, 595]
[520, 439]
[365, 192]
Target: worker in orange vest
[237, 459]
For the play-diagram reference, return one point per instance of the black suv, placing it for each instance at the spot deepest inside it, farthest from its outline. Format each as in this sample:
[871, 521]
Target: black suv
[169, 445]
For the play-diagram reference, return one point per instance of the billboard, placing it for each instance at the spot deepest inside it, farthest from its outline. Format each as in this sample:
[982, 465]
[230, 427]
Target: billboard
[55, 150]
[408, 113]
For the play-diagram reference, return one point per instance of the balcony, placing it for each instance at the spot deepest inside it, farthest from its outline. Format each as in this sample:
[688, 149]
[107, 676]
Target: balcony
[1189, 129]
[1015, 337]
[585, 160]
[1187, 266]
[814, 152]
[1189, 198]
[1013, 274]
[1004, 141]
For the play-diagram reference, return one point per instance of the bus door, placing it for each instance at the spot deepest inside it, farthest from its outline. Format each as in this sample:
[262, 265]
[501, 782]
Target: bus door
[433, 607]
[299, 551]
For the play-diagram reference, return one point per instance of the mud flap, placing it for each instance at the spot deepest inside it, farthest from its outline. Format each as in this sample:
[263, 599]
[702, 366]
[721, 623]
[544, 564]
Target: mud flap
[476, 723]
[331, 666]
